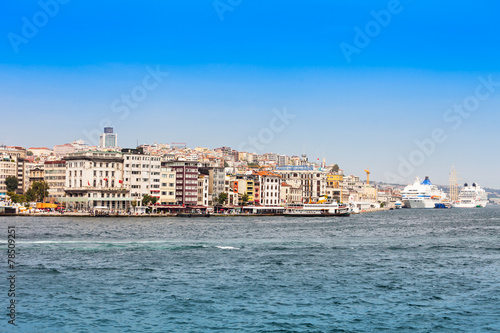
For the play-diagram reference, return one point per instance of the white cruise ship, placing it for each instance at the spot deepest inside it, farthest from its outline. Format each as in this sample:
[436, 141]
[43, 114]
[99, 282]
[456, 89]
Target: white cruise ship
[422, 194]
[471, 197]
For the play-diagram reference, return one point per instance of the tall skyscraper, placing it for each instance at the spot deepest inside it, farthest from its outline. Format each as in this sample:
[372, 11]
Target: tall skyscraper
[108, 139]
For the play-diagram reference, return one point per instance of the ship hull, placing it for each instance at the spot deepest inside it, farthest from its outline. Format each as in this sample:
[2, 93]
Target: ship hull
[470, 205]
[419, 203]
[315, 215]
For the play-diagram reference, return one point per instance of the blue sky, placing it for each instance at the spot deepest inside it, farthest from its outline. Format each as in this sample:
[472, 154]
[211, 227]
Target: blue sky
[61, 81]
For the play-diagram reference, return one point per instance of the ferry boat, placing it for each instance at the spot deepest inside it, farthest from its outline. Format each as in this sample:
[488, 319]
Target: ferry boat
[422, 194]
[471, 197]
[317, 209]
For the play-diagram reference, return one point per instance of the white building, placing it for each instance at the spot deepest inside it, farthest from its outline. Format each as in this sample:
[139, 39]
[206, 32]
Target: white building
[203, 181]
[95, 179]
[312, 182]
[8, 168]
[270, 188]
[141, 174]
[290, 193]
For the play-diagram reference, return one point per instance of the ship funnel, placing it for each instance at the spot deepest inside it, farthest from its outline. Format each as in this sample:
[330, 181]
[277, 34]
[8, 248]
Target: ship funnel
[426, 181]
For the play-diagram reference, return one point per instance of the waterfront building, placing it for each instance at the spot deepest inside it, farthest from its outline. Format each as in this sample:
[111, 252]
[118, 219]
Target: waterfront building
[312, 182]
[216, 180]
[19, 155]
[141, 174]
[55, 177]
[186, 180]
[95, 179]
[203, 184]
[270, 188]
[290, 193]
[167, 185]
[245, 186]
[8, 168]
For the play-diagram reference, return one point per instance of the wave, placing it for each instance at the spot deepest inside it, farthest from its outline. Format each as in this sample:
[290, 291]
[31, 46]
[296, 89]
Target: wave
[228, 248]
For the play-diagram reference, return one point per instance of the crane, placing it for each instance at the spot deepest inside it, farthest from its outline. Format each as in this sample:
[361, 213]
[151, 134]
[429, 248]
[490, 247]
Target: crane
[367, 170]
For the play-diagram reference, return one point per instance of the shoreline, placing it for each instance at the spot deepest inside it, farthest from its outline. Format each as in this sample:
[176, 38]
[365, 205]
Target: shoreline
[167, 215]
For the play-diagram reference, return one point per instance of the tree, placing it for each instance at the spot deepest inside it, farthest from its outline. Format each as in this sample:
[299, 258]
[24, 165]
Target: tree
[221, 199]
[335, 168]
[244, 199]
[12, 183]
[16, 198]
[38, 191]
[147, 199]
[29, 153]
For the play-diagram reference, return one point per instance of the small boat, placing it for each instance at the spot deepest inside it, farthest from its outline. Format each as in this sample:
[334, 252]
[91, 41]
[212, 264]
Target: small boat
[442, 205]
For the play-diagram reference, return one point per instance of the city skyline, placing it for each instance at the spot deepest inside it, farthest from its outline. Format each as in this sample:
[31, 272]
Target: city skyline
[216, 76]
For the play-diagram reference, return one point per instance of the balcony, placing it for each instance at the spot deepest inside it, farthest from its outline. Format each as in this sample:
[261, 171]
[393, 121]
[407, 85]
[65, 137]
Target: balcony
[95, 189]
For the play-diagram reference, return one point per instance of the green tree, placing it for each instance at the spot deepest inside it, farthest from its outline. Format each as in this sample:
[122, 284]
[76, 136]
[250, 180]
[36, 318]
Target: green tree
[12, 183]
[147, 199]
[29, 153]
[16, 198]
[38, 191]
[221, 199]
[335, 168]
[244, 199]
[253, 165]
[225, 164]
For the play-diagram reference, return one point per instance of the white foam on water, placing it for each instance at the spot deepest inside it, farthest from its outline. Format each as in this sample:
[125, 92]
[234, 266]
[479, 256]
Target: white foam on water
[227, 248]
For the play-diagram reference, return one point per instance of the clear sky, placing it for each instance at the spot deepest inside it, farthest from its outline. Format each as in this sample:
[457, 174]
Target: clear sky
[407, 88]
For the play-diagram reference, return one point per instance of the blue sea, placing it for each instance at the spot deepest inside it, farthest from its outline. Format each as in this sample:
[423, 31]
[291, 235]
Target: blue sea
[393, 271]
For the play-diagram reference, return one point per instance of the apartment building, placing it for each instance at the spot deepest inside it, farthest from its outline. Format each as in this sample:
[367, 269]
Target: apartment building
[270, 188]
[18, 154]
[167, 185]
[203, 185]
[55, 177]
[186, 182]
[141, 174]
[8, 168]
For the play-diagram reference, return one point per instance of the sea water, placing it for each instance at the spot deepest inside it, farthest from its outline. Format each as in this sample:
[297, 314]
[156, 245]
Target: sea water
[396, 271]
